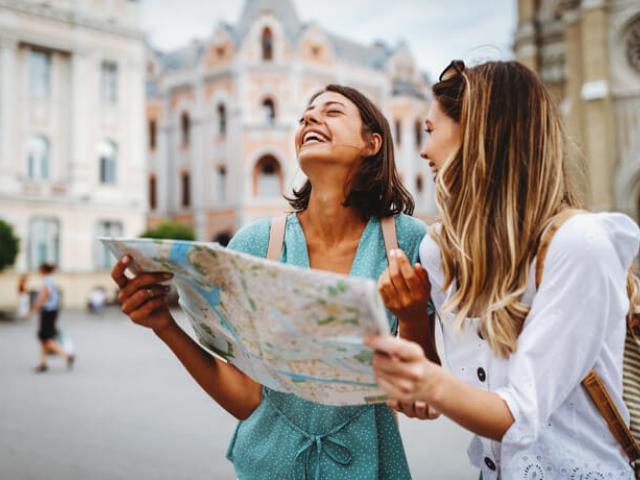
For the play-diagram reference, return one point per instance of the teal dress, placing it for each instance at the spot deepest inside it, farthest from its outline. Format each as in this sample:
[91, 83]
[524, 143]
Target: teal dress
[287, 437]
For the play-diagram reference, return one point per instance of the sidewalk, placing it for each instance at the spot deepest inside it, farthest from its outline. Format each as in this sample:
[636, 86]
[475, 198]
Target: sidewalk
[130, 411]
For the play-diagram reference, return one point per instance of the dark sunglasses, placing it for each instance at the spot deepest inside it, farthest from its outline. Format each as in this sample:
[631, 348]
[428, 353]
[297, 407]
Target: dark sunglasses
[455, 68]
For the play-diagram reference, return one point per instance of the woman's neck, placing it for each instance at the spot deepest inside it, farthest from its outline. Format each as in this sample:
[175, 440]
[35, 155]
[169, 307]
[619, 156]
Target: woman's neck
[327, 220]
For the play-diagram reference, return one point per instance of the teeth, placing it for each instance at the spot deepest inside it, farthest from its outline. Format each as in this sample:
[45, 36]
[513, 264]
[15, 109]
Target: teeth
[313, 136]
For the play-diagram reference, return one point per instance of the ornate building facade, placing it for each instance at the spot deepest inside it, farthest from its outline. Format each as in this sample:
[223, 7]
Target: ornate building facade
[222, 113]
[72, 158]
[588, 53]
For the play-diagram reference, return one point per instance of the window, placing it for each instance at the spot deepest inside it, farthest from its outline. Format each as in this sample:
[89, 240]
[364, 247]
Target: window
[222, 184]
[152, 134]
[398, 128]
[38, 157]
[418, 133]
[44, 242]
[39, 74]
[185, 128]
[267, 44]
[267, 177]
[186, 189]
[109, 82]
[108, 159]
[152, 192]
[222, 120]
[269, 110]
[104, 259]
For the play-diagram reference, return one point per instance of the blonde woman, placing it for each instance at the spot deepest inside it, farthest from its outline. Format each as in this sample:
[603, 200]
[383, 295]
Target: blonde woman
[516, 354]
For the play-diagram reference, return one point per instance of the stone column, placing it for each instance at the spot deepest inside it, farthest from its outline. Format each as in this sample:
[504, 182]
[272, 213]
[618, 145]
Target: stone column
[598, 120]
[10, 164]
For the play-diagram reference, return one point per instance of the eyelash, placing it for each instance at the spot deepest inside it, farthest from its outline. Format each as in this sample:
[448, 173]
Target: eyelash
[428, 130]
[301, 120]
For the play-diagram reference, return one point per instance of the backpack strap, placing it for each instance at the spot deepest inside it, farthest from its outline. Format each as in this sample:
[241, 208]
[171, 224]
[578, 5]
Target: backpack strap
[592, 383]
[388, 225]
[276, 237]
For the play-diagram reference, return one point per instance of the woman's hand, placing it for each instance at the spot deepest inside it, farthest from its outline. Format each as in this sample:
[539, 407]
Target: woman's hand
[419, 410]
[405, 290]
[402, 370]
[142, 298]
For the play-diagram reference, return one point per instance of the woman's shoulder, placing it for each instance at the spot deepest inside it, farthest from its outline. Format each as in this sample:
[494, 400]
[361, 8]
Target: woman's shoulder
[592, 237]
[410, 229]
[253, 238]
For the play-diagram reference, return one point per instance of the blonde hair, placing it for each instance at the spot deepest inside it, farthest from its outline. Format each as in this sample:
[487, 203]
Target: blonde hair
[498, 192]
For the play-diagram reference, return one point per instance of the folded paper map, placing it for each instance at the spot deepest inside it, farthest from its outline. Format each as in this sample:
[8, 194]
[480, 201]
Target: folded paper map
[291, 329]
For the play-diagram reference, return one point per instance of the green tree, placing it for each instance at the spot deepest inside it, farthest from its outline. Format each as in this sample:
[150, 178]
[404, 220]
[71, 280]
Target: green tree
[170, 230]
[8, 245]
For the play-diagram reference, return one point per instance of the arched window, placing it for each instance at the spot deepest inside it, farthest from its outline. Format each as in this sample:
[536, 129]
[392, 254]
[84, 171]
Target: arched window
[152, 192]
[267, 44]
[152, 134]
[418, 133]
[269, 110]
[267, 177]
[38, 157]
[185, 128]
[223, 238]
[108, 159]
[222, 119]
[419, 183]
[186, 189]
[44, 242]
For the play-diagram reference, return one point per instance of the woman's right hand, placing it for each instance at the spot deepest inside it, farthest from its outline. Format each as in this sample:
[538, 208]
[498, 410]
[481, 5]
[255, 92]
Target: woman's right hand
[143, 298]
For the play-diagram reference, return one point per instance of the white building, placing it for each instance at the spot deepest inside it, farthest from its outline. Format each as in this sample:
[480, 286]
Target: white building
[72, 158]
[222, 113]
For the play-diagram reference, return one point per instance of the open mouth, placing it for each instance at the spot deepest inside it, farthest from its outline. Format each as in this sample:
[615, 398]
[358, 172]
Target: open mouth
[314, 137]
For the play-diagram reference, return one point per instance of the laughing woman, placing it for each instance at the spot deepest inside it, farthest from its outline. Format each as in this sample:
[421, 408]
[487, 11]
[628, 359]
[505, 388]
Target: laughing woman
[518, 343]
[344, 146]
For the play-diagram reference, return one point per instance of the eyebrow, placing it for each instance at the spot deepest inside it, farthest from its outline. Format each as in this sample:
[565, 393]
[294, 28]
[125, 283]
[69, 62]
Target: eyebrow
[326, 104]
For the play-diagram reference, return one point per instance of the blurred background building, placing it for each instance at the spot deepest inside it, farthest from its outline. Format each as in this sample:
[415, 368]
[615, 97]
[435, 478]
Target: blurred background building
[588, 53]
[72, 157]
[103, 134]
[222, 114]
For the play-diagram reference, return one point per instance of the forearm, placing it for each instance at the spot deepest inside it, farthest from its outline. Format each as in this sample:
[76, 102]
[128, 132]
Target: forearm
[484, 413]
[419, 328]
[229, 387]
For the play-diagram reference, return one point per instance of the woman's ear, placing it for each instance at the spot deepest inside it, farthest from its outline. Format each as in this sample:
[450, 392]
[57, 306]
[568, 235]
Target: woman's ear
[374, 144]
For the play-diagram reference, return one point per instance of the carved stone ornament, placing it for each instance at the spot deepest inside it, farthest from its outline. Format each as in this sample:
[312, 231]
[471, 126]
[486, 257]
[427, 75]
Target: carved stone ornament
[632, 45]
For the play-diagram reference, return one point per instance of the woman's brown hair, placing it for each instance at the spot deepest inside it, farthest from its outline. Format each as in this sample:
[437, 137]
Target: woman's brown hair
[375, 189]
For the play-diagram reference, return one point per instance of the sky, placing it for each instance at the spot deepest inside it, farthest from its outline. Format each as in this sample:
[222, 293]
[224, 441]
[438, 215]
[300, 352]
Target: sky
[436, 31]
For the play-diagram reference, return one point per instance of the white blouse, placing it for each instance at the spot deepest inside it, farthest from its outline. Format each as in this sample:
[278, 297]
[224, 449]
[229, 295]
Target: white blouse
[576, 322]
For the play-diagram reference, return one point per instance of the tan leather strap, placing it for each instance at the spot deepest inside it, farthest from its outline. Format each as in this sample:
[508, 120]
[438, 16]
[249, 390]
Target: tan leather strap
[592, 383]
[276, 237]
[388, 225]
[598, 392]
[543, 248]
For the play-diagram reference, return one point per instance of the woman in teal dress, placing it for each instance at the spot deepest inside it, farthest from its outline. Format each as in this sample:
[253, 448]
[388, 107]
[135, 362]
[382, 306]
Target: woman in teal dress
[345, 148]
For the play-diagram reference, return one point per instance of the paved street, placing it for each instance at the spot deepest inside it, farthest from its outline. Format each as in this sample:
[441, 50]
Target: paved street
[129, 411]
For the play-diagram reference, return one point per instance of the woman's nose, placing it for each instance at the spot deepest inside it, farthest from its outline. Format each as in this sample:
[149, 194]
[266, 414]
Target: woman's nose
[310, 116]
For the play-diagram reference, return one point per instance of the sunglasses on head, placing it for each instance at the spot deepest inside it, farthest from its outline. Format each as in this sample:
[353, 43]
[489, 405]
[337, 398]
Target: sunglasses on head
[455, 68]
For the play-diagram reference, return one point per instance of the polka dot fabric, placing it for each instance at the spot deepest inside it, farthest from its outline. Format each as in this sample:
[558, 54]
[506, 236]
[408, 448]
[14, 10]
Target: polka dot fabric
[288, 437]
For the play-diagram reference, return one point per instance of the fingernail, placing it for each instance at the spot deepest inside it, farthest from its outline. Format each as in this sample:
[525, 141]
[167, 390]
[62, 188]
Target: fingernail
[126, 259]
[167, 275]
[392, 253]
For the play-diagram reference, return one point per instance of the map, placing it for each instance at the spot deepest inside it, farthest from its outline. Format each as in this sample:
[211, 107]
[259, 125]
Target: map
[291, 329]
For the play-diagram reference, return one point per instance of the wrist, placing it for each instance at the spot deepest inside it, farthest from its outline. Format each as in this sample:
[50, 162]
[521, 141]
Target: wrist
[167, 330]
[434, 388]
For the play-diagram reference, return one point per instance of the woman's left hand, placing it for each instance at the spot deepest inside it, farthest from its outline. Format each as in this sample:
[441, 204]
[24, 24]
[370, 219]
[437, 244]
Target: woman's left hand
[401, 368]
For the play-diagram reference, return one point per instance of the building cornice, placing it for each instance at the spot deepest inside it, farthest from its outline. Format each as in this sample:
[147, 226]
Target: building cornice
[69, 17]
